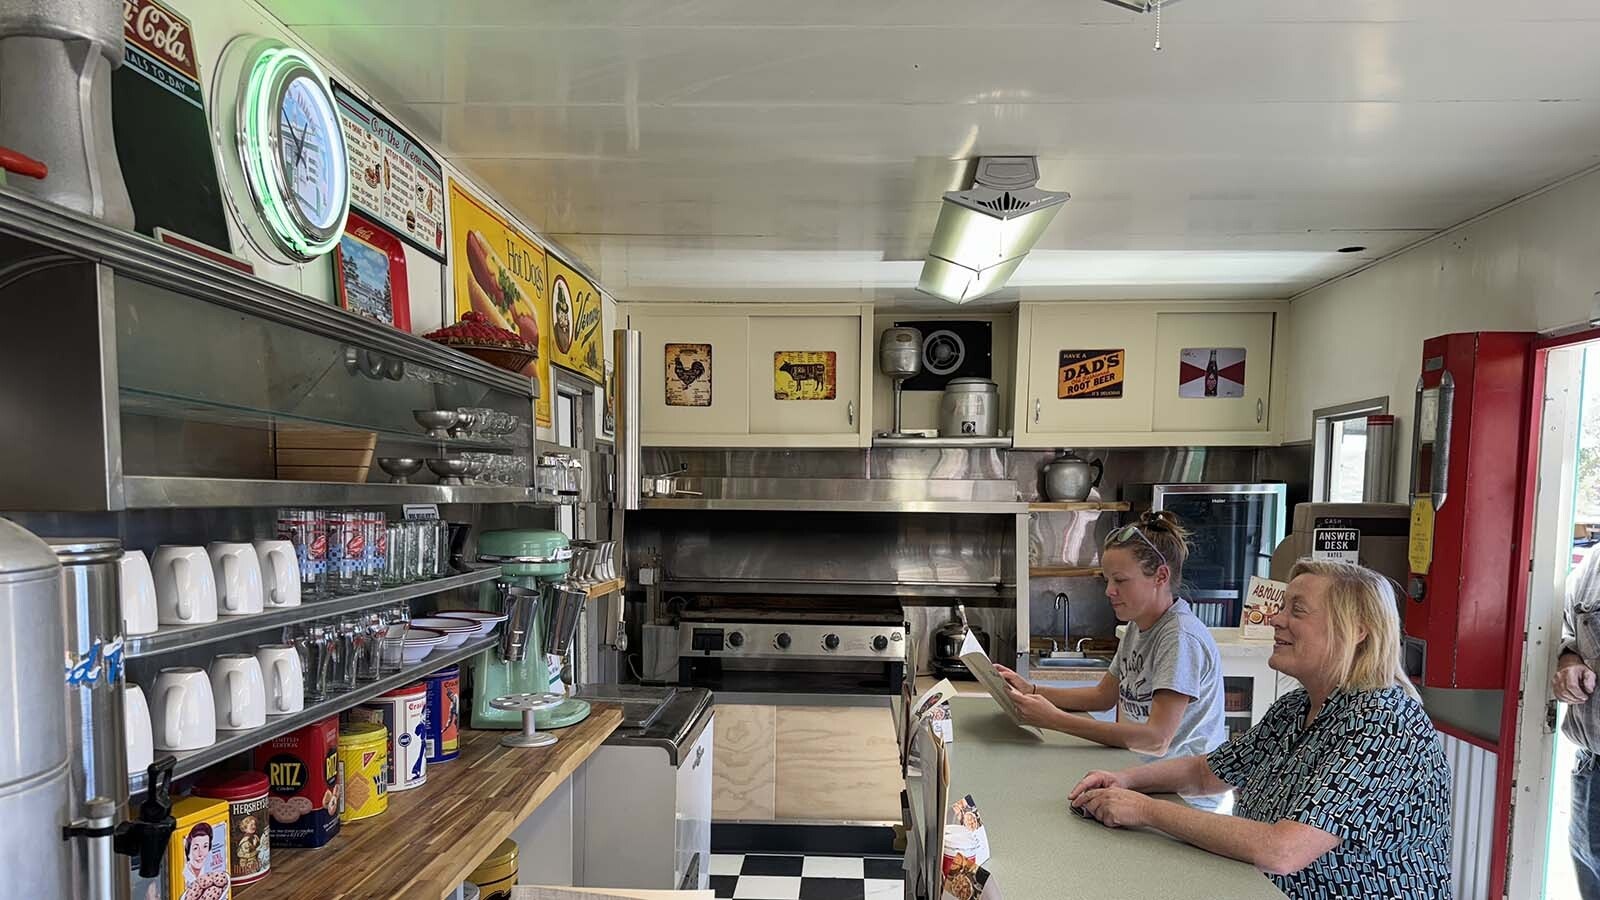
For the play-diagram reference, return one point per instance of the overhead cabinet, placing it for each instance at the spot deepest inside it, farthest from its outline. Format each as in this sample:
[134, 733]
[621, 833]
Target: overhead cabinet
[740, 376]
[1136, 373]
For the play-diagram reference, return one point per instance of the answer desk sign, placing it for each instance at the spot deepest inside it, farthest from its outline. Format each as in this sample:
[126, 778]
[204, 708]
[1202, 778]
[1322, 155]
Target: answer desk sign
[1336, 545]
[1089, 374]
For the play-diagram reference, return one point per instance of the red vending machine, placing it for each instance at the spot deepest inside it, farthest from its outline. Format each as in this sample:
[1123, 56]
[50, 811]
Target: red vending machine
[1467, 435]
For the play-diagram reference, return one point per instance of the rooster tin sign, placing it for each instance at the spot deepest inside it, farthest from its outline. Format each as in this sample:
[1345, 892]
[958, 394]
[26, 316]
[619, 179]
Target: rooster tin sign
[688, 374]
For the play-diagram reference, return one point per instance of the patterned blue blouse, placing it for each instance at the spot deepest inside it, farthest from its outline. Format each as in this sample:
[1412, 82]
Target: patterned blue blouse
[1369, 770]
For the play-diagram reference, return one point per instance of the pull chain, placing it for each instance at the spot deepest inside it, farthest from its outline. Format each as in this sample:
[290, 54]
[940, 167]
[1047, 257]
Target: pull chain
[1158, 26]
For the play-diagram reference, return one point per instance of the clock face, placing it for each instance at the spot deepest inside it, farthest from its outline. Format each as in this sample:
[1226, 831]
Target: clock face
[292, 153]
[313, 167]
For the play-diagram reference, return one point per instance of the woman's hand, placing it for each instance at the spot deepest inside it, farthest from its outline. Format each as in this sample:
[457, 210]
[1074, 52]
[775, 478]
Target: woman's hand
[1119, 808]
[1035, 710]
[1094, 781]
[1017, 682]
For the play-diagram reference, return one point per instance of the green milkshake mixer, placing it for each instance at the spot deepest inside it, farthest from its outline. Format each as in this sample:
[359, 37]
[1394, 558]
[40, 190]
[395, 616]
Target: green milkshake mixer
[543, 610]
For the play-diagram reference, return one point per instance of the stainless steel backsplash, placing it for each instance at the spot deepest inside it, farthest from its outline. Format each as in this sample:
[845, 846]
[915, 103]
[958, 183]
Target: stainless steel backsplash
[923, 547]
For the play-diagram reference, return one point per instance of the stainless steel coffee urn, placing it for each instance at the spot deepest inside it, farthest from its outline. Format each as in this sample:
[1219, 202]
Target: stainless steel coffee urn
[56, 58]
[98, 750]
[35, 778]
[899, 357]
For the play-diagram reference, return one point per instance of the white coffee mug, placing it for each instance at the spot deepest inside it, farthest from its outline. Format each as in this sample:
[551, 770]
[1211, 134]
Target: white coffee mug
[183, 716]
[137, 591]
[240, 692]
[280, 573]
[280, 667]
[140, 740]
[238, 575]
[186, 591]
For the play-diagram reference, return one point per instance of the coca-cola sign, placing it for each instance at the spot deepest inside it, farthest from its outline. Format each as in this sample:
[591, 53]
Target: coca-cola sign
[162, 33]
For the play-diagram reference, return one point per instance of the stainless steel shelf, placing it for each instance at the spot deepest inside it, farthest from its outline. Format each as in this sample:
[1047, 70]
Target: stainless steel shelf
[936, 442]
[162, 492]
[82, 237]
[182, 637]
[991, 507]
[231, 743]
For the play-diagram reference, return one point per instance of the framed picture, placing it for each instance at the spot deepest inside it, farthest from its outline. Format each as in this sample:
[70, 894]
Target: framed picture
[369, 269]
[688, 375]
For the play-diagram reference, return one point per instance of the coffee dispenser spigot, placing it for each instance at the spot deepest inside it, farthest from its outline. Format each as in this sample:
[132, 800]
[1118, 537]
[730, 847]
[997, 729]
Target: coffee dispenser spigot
[146, 838]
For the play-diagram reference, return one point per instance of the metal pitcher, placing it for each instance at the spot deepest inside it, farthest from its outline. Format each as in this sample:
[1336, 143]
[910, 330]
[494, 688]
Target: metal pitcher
[1070, 478]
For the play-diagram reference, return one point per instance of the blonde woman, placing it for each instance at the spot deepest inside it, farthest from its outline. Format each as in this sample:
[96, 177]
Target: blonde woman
[1342, 789]
[1166, 679]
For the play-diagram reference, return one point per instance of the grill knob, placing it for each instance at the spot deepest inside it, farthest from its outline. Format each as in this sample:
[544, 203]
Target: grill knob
[735, 639]
[830, 642]
[781, 641]
[880, 643]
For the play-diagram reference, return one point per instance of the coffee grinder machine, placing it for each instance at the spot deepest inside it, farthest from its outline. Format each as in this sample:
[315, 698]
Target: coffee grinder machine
[543, 610]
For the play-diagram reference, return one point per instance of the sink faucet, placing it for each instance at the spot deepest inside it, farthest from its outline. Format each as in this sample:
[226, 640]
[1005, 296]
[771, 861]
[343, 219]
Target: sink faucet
[1063, 605]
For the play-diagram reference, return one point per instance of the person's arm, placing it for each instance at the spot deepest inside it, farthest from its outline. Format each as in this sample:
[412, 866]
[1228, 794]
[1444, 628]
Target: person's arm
[1152, 737]
[1572, 681]
[1181, 775]
[1098, 698]
[1279, 848]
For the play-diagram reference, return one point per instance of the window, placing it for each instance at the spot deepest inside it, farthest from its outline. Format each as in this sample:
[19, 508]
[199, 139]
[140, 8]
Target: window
[1340, 466]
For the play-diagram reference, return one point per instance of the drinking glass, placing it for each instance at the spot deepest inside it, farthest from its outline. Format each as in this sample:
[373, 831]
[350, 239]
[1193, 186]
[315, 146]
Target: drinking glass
[392, 654]
[349, 639]
[369, 659]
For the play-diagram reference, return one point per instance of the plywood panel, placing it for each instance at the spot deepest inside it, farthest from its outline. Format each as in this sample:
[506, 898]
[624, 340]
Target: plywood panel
[743, 758]
[837, 763]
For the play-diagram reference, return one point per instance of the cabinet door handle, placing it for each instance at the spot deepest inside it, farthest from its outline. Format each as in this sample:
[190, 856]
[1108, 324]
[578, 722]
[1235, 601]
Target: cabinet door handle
[1261, 410]
[850, 411]
[1036, 407]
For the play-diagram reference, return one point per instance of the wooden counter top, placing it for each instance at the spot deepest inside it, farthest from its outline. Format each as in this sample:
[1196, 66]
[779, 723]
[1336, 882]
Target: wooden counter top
[433, 836]
[1042, 850]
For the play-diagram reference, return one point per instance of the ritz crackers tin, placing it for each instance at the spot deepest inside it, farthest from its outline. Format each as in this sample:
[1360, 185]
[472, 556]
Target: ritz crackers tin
[442, 733]
[197, 854]
[496, 876]
[402, 711]
[302, 769]
[249, 835]
[363, 756]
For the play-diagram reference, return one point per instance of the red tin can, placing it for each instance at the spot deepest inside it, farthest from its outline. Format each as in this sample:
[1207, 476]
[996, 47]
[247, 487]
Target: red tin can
[249, 825]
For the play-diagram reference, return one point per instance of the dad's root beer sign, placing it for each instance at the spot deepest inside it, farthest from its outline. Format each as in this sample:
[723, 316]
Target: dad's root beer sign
[1090, 374]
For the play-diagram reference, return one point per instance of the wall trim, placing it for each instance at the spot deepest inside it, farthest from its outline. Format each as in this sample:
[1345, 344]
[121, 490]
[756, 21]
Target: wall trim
[1463, 224]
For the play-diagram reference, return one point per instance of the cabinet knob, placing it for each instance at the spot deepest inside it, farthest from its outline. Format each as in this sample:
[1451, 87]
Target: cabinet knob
[850, 411]
[1261, 410]
[1036, 407]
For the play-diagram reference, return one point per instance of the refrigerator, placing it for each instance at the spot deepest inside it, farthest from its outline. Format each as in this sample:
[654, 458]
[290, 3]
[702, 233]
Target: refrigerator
[1234, 529]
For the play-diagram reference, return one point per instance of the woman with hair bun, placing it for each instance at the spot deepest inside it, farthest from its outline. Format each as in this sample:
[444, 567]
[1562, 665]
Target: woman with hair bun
[1166, 678]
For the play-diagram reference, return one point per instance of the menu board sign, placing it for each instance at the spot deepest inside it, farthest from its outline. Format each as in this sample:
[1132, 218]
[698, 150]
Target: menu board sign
[575, 322]
[392, 178]
[498, 270]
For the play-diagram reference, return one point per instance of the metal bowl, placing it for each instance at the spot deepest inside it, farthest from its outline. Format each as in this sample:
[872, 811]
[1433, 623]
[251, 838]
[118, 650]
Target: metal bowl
[400, 468]
[449, 469]
[436, 421]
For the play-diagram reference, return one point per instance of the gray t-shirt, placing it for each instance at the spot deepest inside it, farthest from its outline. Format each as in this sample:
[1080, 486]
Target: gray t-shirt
[1580, 634]
[1176, 654]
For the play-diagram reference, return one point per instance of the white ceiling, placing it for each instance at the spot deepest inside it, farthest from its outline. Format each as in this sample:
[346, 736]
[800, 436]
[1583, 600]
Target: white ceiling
[757, 150]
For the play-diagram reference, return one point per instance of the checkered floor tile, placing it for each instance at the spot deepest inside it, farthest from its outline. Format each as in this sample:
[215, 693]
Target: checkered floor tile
[771, 877]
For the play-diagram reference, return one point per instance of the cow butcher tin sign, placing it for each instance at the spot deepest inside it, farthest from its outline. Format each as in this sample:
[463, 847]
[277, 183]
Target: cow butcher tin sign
[1090, 374]
[805, 375]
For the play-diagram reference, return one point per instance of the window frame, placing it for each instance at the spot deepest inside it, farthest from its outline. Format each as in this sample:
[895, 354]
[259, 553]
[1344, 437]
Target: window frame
[1322, 427]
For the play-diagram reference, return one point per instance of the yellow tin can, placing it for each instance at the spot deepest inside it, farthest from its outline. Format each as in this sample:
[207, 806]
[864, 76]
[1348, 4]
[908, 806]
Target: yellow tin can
[497, 875]
[363, 761]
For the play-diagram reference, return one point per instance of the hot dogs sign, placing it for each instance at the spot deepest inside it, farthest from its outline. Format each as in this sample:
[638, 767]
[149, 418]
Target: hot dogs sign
[499, 270]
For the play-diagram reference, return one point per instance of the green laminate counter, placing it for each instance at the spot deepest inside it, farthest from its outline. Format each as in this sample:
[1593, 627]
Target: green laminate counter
[1042, 850]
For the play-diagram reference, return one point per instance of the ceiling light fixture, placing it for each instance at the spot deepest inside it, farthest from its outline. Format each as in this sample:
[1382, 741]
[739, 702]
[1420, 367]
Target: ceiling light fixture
[984, 232]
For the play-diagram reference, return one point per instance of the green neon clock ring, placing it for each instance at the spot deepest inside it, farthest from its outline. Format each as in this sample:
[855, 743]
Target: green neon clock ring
[292, 151]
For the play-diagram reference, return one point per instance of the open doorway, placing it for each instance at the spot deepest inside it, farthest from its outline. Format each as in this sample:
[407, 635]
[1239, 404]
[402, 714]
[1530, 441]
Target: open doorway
[1566, 525]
